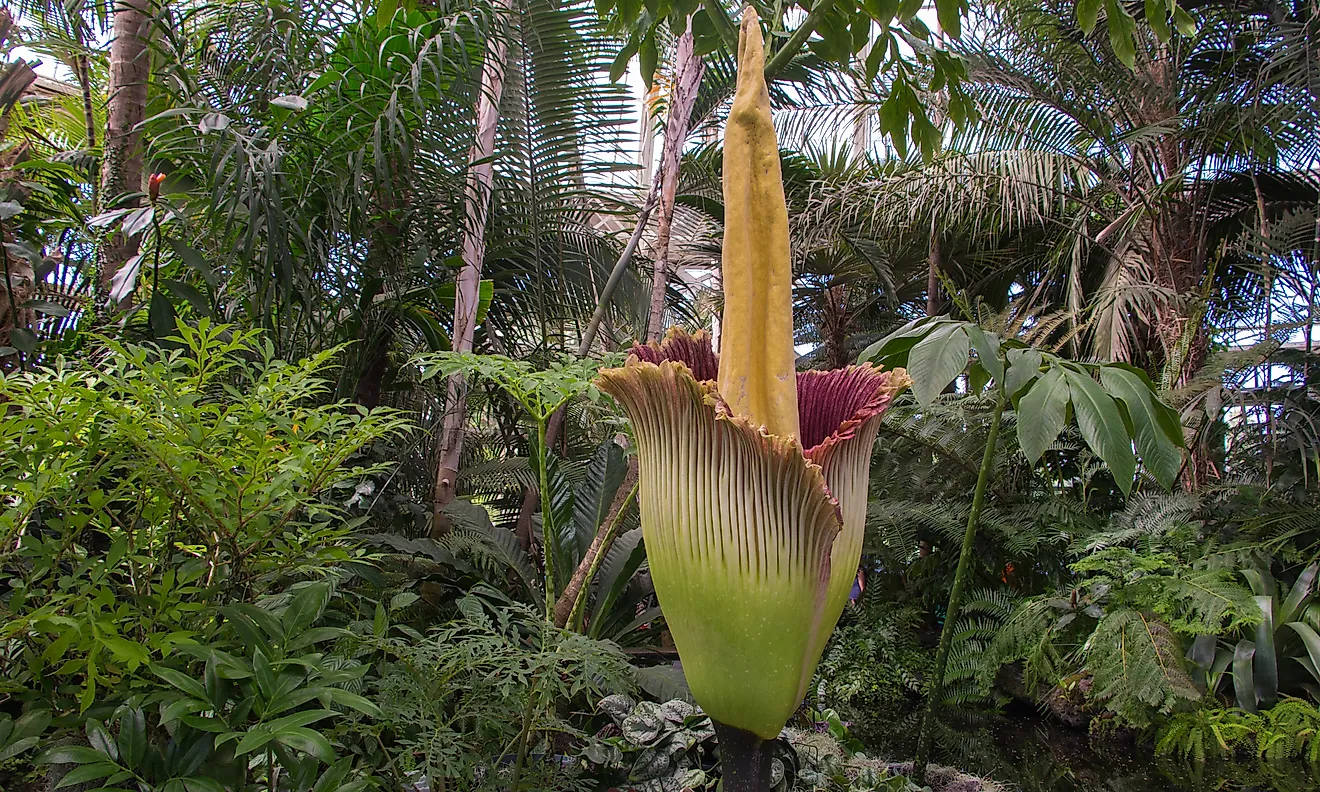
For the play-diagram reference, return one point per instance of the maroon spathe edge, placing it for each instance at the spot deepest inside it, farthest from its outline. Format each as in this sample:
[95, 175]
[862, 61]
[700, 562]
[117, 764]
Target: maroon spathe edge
[832, 405]
[693, 351]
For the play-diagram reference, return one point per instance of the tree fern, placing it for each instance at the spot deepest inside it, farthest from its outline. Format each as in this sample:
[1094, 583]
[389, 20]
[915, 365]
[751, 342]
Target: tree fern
[1136, 666]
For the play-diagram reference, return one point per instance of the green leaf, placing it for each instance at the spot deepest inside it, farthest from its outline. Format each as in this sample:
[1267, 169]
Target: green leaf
[99, 738]
[70, 754]
[1122, 32]
[1160, 455]
[1088, 13]
[1102, 427]
[1310, 640]
[987, 351]
[949, 13]
[353, 701]
[1042, 413]
[306, 607]
[202, 784]
[624, 558]
[90, 772]
[647, 59]
[130, 652]
[1300, 593]
[1023, 366]
[46, 307]
[10, 209]
[17, 747]
[1184, 21]
[620, 65]
[188, 293]
[1157, 16]
[181, 681]
[309, 742]
[1266, 662]
[252, 740]
[303, 718]
[132, 737]
[161, 315]
[937, 360]
[23, 339]
[265, 675]
[193, 259]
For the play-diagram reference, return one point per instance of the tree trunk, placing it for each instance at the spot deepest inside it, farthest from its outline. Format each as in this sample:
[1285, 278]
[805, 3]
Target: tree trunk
[933, 267]
[687, 76]
[126, 109]
[467, 290]
[374, 367]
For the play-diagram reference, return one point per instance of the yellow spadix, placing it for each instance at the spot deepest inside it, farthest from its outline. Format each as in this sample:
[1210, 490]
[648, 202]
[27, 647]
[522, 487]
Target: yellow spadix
[753, 476]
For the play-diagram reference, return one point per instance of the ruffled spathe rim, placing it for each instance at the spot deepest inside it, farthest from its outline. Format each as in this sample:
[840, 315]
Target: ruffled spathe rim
[833, 406]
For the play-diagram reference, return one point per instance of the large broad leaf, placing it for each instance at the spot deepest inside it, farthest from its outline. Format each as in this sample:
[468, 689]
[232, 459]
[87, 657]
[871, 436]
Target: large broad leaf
[1102, 427]
[306, 607]
[1266, 662]
[1312, 643]
[987, 351]
[1299, 596]
[1158, 450]
[446, 292]
[592, 500]
[622, 561]
[1023, 367]
[563, 536]
[1244, 683]
[893, 349]
[936, 360]
[1042, 413]
[665, 683]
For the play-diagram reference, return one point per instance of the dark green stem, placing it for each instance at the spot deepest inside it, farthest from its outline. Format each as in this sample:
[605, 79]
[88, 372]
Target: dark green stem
[744, 760]
[547, 521]
[524, 739]
[955, 596]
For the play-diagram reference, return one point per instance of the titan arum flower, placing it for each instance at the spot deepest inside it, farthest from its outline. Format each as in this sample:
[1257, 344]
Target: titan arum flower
[753, 476]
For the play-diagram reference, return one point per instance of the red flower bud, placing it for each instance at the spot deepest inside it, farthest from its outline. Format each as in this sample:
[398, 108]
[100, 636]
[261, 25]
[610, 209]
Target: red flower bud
[153, 186]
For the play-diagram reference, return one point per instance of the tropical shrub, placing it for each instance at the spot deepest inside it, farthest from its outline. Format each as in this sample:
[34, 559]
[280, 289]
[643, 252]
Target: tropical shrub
[255, 708]
[1278, 654]
[1289, 730]
[173, 513]
[1124, 624]
[874, 666]
[484, 702]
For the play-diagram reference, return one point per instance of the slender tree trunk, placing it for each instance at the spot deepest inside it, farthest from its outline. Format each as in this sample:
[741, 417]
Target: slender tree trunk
[467, 290]
[934, 264]
[687, 76]
[126, 108]
[375, 365]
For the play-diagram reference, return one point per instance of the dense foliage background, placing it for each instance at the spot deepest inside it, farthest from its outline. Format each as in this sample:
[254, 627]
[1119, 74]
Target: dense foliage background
[304, 483]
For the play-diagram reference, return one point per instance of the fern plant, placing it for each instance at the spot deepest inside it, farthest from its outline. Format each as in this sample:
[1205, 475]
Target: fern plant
[1124, 625]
